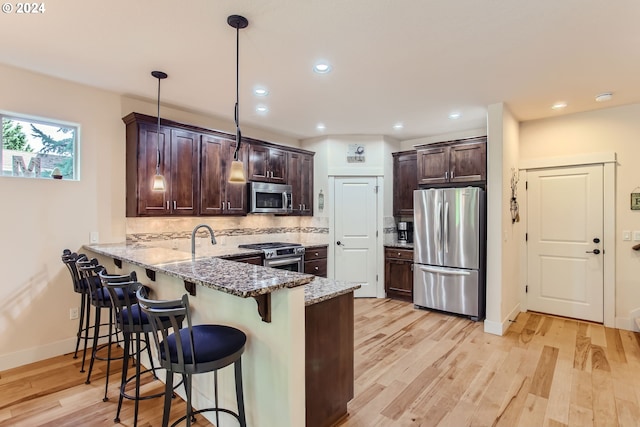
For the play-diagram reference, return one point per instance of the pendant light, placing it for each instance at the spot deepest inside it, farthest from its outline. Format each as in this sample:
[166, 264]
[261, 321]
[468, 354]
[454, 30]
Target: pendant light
[159, 183]
[237, 168]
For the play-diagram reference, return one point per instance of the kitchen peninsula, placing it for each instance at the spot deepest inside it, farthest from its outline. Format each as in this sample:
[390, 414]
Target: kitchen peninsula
[299, 327]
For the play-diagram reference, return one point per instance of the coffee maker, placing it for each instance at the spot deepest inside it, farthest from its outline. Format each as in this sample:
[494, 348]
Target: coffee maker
[405, 232]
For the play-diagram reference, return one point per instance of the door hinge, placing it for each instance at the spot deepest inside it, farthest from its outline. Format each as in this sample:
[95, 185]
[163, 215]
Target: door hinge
[376, 233]
[376, 277]
[526, 237]
[526, 185]
[375, 189]
[526, 289]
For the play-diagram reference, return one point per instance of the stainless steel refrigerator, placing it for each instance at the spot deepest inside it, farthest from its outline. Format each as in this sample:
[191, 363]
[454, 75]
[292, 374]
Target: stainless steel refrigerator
[448, 271]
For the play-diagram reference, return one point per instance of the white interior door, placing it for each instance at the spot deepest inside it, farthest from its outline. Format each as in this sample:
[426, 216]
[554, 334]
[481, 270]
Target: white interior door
[355, 232]
[565, 249]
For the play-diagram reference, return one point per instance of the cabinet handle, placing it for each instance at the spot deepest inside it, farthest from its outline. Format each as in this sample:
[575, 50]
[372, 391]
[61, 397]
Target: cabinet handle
[167, 205]
[175, 205]
[317, 254]
[446, 175]
[399, 254]
[228, 205]
[304, 207]
[451, 174]
[222, 205]
[300, 207]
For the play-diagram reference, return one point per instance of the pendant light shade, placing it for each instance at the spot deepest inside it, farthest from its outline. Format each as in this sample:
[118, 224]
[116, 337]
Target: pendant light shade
[159, 183]
[237, 168]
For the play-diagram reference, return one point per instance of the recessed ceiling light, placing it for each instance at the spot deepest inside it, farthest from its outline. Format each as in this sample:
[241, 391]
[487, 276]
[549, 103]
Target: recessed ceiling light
[454, 116]
[262, 109]
[398, 126]
[260, 91]
[322, 68]
[558, 105]
[321, 126]
[604, 97]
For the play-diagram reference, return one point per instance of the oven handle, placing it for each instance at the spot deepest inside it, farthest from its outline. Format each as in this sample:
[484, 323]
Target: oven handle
[276, 263]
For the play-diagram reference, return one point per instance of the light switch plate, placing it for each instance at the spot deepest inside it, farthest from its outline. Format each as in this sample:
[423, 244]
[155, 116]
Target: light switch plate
[94, 237]
[636, 236]
[626, 235]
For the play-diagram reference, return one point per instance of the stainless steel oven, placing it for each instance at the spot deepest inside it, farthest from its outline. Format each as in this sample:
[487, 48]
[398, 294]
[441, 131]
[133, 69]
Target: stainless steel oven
[285, 256]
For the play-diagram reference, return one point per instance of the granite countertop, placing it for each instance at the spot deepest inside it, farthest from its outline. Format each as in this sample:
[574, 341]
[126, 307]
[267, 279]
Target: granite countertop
[398, 245]
[209, 270]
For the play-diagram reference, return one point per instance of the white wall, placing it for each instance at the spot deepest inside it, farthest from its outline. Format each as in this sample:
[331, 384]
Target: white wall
[42, 217]
[502, 236]
[609, 130]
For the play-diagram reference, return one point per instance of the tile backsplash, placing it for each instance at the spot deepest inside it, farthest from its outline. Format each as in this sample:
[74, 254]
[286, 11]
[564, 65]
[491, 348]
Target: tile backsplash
[150, 229]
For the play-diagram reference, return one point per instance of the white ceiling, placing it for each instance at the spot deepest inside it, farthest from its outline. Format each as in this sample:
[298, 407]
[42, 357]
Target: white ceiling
[409, 61]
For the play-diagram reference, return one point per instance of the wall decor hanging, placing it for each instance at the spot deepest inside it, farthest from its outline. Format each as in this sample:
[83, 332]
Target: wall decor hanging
[513, 206]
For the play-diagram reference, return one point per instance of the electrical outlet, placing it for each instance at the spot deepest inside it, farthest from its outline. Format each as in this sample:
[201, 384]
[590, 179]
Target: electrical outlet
[94, 237]
[626, 235]
[636, 236]
[73, 313]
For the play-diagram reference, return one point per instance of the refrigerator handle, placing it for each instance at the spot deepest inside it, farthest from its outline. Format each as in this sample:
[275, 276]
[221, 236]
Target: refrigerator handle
[446, 227]
[440, 270]
[439, 226]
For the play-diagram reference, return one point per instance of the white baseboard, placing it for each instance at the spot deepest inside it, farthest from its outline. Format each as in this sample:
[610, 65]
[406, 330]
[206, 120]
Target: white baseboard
[625, 323]
[499, 328]
[35, 354]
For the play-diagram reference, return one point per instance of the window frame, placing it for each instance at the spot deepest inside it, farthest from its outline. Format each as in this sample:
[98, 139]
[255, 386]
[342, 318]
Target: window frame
[46, 121]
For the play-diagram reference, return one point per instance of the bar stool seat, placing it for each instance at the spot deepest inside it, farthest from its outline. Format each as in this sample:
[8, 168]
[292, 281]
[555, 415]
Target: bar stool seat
[194, 350]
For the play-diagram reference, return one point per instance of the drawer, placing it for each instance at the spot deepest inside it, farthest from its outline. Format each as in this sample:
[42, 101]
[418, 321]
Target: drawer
[316, 253]
[403, 254]
[316, 267]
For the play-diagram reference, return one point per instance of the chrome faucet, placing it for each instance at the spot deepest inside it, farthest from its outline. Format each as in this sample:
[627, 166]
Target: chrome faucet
[193, 237]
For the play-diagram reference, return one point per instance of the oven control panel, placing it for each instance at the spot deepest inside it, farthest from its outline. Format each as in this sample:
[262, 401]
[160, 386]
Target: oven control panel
[283, 252]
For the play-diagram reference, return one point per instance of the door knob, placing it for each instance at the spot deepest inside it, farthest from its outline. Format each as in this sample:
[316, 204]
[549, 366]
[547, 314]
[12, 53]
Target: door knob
[596, 240]
[339, 243]
[595, 251]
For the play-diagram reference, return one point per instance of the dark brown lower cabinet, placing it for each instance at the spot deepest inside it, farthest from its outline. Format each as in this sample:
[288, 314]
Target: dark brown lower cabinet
[398, 273]
[315, 261]
[329, 360]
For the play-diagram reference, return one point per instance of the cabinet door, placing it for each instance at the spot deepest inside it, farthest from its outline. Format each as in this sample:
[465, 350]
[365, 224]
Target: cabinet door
[277, 166]
[468, 162]
[212, 174]
[184, 171]
[258, 163]
[236, 194]
[153, 202]
[294, 169]
[405, 180]
[306, 184]
[398, 277]
[433, 165]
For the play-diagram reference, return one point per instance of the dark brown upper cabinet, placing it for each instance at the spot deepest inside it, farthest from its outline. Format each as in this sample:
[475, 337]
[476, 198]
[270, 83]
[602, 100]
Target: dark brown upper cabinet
[300, 177]
[196, 164]
[463, 161]
[178, 161]
[217, 195]
[267, 164]
[405, 180]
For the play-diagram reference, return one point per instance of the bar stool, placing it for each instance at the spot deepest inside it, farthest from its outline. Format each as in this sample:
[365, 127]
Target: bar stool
[194, 350]
[131, 321]
[79, 286]
[99, 298]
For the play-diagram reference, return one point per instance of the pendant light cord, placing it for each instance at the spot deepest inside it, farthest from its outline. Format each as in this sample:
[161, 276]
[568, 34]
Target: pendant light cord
[158, 145]
[237, 108]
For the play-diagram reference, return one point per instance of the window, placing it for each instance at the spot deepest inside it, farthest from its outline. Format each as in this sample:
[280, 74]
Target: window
[38, 148]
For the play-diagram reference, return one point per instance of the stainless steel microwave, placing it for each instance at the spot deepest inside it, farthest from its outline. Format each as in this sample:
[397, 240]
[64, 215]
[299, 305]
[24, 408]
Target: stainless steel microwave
[269, 198]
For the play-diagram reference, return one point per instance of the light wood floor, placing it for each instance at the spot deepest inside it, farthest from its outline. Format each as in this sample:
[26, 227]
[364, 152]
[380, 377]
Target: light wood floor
[419, 368]
[412, 368]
